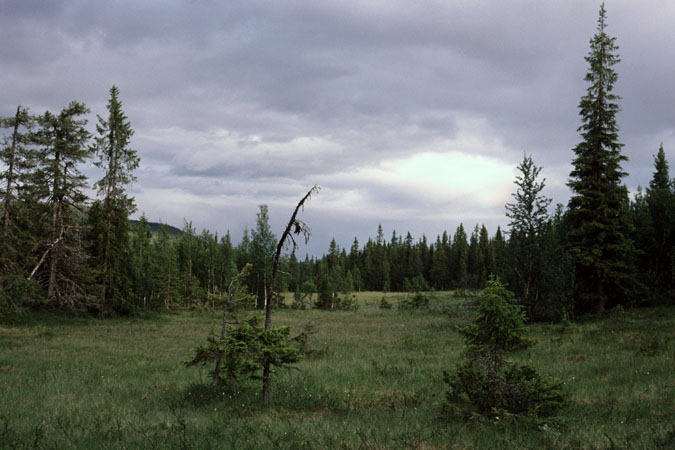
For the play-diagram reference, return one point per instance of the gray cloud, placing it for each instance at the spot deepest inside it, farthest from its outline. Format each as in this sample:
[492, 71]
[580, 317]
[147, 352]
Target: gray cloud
[240, 103]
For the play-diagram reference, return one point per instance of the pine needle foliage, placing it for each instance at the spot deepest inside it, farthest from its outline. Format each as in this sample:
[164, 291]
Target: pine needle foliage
[598, 209]
[486, 384]
[110, 214]
[243, 347]
[243, 350]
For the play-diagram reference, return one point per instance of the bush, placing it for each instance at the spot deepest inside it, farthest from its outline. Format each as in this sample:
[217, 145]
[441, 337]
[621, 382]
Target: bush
[243, 349]
[346, 302]
[477, 386]
[16, 294]
[499, 324]
[418, 301]
[384, 304]
[329, 299]
[485, 383]
[299, 300]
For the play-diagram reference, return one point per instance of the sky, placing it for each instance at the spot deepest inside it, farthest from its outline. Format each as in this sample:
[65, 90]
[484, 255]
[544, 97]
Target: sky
[409, 114]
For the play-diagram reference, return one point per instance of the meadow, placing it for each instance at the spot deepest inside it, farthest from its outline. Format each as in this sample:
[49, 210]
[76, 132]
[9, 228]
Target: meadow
[372, 378]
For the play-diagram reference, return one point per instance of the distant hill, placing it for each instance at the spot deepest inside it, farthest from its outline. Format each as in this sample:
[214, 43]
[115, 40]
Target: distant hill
[154, 228]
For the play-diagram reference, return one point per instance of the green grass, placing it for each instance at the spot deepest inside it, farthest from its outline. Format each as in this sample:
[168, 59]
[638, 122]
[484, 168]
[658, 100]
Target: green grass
[373, 379]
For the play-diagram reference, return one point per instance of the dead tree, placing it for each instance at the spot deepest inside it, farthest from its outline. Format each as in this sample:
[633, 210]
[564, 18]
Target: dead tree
[294, 227]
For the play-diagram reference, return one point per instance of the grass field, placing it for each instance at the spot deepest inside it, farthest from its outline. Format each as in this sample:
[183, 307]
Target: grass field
[373, 379]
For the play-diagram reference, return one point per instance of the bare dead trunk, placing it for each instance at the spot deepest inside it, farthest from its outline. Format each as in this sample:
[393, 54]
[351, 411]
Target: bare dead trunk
[44, 255]
[56, 228]
[294, 226]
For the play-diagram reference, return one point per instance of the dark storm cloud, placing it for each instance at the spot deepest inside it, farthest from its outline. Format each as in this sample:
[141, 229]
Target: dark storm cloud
[240, 103]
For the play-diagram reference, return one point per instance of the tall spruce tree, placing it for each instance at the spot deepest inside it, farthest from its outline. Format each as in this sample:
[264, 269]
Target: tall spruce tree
[59, 183]
[227, 266]
[661, 203]
[166, 279]
[527, 215]
[261, 256]
[112, 224]
[599, 225]
[142, 258]
[17, 158]
[474, 259]
[460, 258]
[186, 250]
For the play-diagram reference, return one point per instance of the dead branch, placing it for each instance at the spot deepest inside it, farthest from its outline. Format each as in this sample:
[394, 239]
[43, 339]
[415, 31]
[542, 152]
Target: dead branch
[44, 255]
[294, 226]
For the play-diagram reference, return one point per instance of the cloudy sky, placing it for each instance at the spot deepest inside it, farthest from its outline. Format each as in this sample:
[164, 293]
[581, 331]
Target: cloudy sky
[412, 114]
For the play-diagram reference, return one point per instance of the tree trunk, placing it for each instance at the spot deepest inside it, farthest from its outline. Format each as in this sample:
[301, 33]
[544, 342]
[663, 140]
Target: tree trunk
[167, 299]
[296, 227]
[600, 298]
[56, 231]
[223, 328]
[8, 193]
[232, 291]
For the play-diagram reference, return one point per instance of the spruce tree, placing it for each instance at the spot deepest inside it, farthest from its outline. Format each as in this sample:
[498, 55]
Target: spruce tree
[484, 249]
[228, 265]
[599, 225]
[460, 258]
[142, 258]
[17, 160]
[474, 260]
[498, 249]
[661, 203]
[166, 280]
[261, 256]
[112, 227]
[486, 382]
[58, 182]
[438, 272]
[187, 251]
[528, 216]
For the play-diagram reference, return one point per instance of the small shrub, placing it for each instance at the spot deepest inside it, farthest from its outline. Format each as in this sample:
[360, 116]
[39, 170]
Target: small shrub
[299, 301]
[654, 346]
[485, 383]
[330, 300]
[243, 349]
[477, 386]
[566, 326]
[326, 295]
[418, 301]
[346, 302]
[384, 304]
[279, 301]
[499, 325]
[17, 293]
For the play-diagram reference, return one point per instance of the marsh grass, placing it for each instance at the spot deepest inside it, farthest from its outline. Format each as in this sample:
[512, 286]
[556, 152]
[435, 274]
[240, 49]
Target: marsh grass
[372, 379]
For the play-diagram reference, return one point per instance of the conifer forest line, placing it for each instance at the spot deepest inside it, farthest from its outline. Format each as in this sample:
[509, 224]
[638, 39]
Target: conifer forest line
[62, 250]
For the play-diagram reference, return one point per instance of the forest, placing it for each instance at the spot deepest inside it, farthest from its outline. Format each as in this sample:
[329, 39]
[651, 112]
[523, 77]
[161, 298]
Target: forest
[436, 325]
[63, 251]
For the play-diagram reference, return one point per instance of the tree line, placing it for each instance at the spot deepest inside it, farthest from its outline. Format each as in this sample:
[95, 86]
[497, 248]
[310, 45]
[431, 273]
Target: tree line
[603, 249]
[60, 249]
